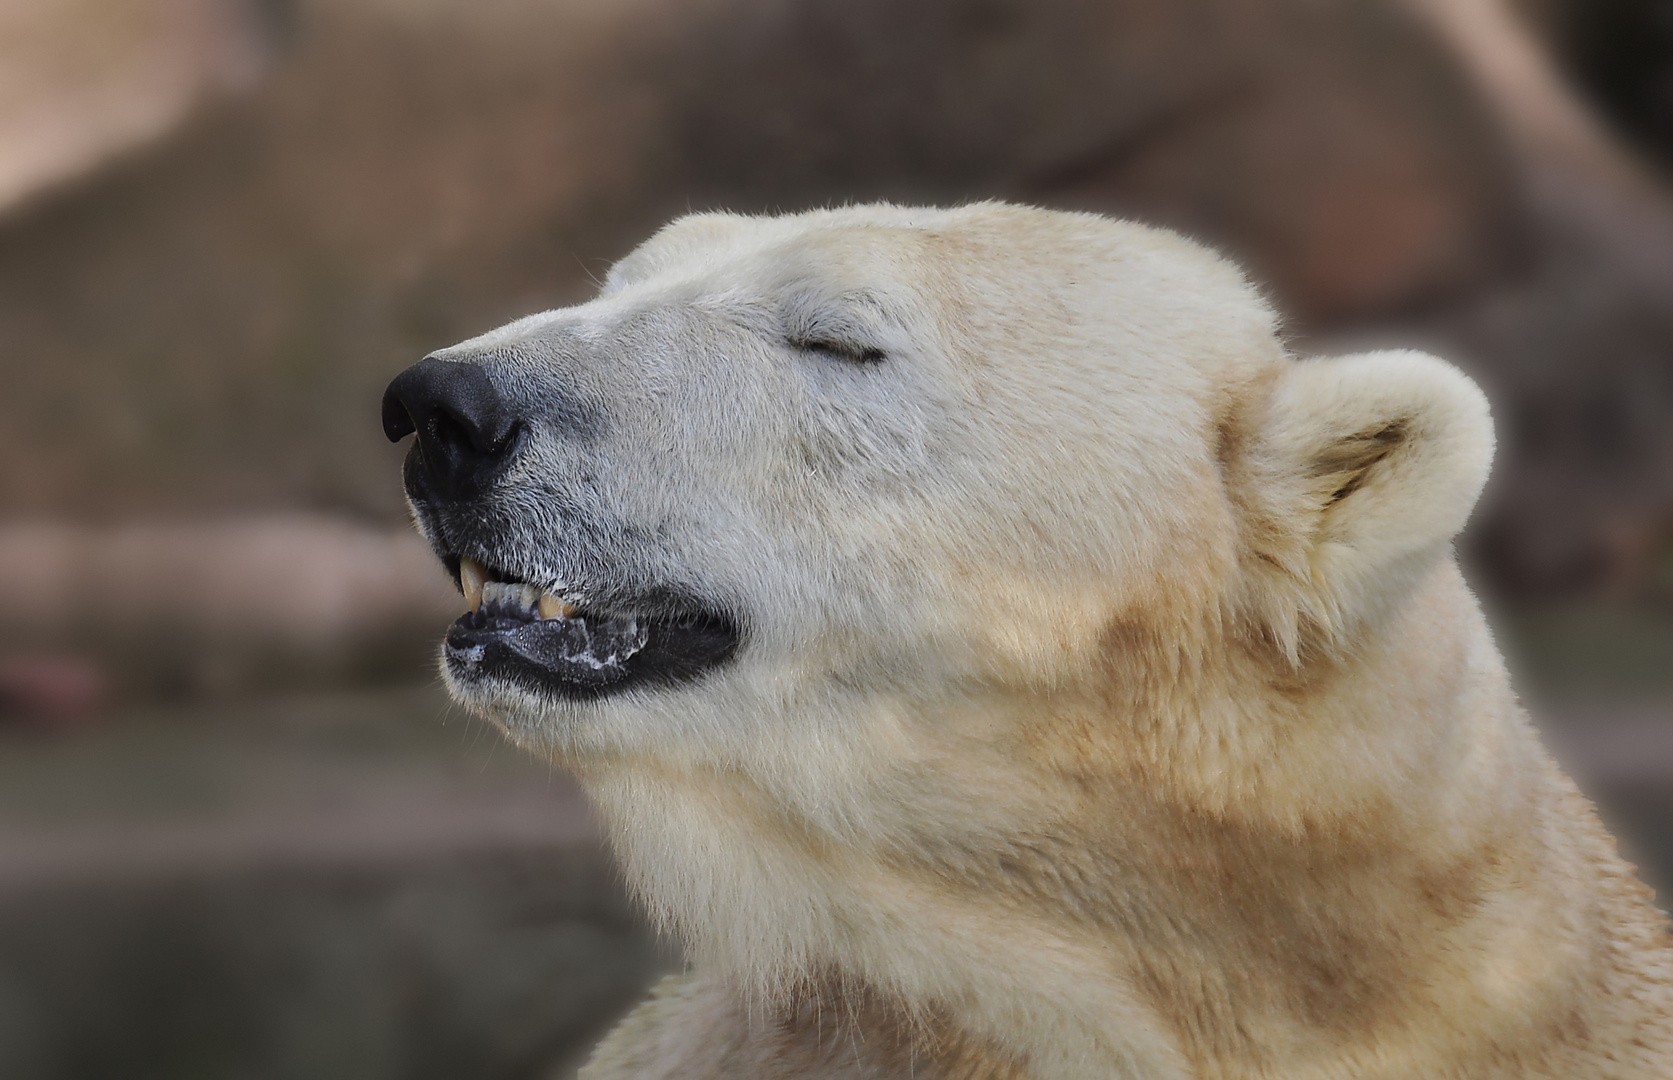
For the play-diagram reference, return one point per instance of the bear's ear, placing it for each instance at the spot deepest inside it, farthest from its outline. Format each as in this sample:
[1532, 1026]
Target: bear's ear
[1350, 476]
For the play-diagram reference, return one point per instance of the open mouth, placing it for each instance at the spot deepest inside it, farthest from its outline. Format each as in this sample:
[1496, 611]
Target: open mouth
[532, 638]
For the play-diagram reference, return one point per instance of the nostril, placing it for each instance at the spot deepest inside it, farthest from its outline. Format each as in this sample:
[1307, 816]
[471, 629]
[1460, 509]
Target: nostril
[397, 422]
[464, 438]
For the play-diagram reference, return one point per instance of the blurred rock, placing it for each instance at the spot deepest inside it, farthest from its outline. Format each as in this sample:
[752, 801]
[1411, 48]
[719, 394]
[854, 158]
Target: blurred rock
[1622, 758]
[216, 605]
[210, 326]
[317, 888]
[1620, 52]
[1572, 343]
[83, 80]
[207, 327]
[487, 966]
[48, 689]
[1334, 147]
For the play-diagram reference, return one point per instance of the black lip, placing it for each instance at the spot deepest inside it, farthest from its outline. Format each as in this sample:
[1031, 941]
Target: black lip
[679, 647]
[685, 639]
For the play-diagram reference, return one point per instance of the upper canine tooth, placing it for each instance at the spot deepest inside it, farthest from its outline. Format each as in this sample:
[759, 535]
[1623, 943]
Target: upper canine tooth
[471, 579]
[552, 607]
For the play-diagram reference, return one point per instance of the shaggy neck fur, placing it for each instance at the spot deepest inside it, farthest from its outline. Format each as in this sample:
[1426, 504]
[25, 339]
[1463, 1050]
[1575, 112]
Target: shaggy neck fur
[1158, 874]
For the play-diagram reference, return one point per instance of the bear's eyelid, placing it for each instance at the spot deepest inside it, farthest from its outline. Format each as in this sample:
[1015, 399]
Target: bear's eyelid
[865, 354]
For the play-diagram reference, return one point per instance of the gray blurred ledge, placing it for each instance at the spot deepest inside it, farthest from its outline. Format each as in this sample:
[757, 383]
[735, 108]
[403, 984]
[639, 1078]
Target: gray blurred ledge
[224, 605]
[1614, 745]
[1621, 755]
[348, 886]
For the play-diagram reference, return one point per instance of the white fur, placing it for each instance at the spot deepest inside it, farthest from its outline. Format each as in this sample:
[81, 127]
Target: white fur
[1084, 564]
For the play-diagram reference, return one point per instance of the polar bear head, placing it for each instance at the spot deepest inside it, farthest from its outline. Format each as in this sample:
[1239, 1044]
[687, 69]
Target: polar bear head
[787, 483]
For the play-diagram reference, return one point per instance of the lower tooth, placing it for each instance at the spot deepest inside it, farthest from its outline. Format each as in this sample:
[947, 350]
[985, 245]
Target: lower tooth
[551, 607]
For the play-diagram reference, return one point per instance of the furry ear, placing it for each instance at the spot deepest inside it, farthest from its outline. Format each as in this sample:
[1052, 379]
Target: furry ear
[1350, 478]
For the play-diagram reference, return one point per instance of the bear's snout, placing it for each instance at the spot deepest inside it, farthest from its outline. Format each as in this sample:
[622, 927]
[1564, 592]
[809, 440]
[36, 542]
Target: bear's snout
[467, 429]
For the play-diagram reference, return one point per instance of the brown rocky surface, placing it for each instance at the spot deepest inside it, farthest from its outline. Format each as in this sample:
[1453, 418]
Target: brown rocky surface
[205, 327]
[1334, 147]
[209, 324]
[1573, 340]
[210, 606]
[83, 80]
[1620, 53]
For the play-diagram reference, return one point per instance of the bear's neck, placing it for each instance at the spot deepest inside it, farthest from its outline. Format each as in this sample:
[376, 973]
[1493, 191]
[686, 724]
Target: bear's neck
[1306, 881]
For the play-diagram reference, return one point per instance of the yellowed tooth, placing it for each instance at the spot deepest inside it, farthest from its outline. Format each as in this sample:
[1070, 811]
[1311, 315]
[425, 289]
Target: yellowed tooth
[551, 607]
[471, 578]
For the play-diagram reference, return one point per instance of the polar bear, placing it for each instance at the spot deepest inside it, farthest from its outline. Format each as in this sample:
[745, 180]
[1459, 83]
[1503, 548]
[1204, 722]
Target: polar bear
[994, 656]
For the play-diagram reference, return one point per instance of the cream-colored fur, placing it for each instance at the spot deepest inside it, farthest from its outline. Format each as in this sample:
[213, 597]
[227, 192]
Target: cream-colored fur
[1110, 704]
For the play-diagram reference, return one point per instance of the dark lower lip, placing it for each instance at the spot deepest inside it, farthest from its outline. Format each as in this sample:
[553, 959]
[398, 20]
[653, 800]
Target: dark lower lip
[572, 659]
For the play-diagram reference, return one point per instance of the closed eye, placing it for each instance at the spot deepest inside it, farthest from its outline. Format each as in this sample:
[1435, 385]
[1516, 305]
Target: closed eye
[841, 350]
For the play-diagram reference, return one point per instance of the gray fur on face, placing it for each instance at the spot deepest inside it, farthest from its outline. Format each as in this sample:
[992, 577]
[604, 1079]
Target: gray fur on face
[640, 477]
[833, 432]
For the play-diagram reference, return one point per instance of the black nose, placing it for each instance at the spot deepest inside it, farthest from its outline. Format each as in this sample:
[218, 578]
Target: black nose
[465, 428]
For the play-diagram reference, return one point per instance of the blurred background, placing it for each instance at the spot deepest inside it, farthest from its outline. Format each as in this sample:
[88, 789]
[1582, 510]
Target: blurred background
[241, 832]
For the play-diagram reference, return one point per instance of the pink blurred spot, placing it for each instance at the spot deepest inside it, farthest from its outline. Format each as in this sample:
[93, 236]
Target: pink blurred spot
[56, 690]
